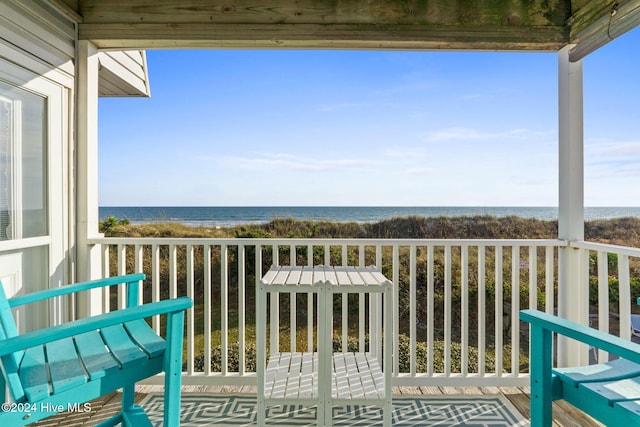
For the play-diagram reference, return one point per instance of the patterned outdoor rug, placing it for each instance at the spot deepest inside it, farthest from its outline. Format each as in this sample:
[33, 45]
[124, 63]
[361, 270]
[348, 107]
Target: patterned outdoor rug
[240, 410]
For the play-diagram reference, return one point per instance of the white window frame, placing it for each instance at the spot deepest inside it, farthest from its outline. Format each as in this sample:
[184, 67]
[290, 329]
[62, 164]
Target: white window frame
[57, 182]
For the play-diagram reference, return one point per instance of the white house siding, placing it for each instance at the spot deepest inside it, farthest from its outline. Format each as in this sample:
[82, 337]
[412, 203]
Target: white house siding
[38, 38]
[123, 73]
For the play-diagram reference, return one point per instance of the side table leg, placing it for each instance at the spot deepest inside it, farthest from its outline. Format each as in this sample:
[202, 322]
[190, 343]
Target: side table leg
[320, 413]
[328, 409]
[261, 410]
[387, 413]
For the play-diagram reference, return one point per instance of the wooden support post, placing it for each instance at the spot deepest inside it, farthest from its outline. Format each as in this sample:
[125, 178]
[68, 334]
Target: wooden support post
[573, 290]
[88, 261]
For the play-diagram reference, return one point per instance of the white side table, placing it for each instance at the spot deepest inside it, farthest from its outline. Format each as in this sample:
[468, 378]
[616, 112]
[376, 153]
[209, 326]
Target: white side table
[325, 378]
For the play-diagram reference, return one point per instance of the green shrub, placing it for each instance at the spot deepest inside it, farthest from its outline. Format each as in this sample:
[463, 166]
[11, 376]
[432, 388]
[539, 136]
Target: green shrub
[353, 346]
[110, 223]
[404, 357]
[233, 361]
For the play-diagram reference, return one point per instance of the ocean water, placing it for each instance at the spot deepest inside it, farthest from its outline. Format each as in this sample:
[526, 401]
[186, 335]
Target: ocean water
[228, 216]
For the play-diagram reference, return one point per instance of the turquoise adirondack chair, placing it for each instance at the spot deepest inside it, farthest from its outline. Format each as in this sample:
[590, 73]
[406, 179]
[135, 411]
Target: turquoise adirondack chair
[62, 367]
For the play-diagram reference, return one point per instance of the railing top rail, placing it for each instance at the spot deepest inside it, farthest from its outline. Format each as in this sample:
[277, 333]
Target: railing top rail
[605, 247]
[322, 242]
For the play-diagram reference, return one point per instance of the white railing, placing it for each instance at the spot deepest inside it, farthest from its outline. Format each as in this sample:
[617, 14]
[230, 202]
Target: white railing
[612, 274]
[452, 308]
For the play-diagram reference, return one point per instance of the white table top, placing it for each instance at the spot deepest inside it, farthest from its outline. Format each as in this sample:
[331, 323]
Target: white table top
[320, 275]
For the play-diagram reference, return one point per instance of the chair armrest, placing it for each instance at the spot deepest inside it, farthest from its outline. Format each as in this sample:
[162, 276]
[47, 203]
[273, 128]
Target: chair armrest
[74, 288]
[593, 337]
[53, 333]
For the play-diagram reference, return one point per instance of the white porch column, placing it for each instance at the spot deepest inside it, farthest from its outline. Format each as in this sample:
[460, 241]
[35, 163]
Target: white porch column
[573, 291]
[88, 258]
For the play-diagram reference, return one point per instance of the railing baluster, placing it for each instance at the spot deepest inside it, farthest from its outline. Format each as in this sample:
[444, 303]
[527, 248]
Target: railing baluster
[361, 299]
[173, 271]
[533, 281]
[396, 298]
[155, 282]
[549, 276]
[106, 291]
[464, 321]
[430, 311]
[139, 267]
[241, 309]
[515, 310]
[603, 298]
[293, 306]
[375, 318]
[447, 310]
[412, 309]
[122, 270]
[625, 296]
[274, 316]
[345, 308]
[498, 310]
[482, 271]
[533, 277]
[207, 309]
[189, 316]
[224, 307]
[310, 305]
[258, 313]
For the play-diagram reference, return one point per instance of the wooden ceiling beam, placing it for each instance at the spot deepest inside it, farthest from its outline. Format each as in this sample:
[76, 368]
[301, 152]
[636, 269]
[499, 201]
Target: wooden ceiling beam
[365, 36]
[384, 24]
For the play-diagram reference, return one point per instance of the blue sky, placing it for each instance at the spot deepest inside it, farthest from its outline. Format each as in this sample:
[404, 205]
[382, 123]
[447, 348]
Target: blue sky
[290, 127]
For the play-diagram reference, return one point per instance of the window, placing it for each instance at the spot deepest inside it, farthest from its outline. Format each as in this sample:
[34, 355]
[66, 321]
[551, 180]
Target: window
[23, 166]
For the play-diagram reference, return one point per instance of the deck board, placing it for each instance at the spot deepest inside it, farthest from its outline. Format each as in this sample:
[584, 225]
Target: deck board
[564, 414]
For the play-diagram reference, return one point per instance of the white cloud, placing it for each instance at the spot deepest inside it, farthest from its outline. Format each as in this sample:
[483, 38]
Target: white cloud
[605, 158]
[468, 135]
[613, 148]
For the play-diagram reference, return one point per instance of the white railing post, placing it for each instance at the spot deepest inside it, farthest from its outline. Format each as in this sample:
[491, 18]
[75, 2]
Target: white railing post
[447, 310]
[571, 205]
[515, 309]
[224, 307]
[87, 262]
[395, 301]
[241, 308]
[603, 298]
[464, 318]
[624, 283]
[207, 309]
[412, 309]
[499, 309]
[482, 270]
[190, 316]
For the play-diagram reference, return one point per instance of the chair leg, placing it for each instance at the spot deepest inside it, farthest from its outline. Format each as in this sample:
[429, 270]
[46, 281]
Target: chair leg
[3, 389]
[173, 369]
[128, 396]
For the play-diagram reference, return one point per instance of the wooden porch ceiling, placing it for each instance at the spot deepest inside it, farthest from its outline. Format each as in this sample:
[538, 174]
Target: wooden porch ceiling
[527, 25]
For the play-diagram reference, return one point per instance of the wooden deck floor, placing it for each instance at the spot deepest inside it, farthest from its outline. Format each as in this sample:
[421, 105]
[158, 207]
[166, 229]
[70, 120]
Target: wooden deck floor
[564, 415]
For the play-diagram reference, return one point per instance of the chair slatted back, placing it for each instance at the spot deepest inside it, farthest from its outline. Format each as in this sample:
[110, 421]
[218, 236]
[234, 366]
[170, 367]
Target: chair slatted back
[11, 362]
